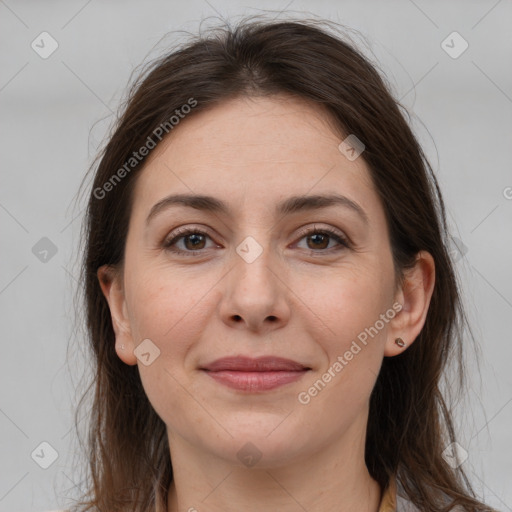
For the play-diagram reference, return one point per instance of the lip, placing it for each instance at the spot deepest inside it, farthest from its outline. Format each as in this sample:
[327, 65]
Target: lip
[253, 375]
[249, 364]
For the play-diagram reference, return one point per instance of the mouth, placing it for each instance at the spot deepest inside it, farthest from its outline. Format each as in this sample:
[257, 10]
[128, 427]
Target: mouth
[255, 375]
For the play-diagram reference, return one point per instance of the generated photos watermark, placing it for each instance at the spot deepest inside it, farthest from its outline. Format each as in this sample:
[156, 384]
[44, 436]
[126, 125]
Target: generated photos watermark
[137, 156]
[305, 397]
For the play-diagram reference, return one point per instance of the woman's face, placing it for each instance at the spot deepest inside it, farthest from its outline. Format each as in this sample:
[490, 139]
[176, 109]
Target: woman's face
[257, 279]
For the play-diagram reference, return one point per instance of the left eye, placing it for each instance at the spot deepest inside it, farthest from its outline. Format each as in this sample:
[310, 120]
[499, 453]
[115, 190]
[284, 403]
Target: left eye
[321, 238]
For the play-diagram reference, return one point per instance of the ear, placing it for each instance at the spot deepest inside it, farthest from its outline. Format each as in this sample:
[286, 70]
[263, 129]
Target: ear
[111, 282]
[414, 295]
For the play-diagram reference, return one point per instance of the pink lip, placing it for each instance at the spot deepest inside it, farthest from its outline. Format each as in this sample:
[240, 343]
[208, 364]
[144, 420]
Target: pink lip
[261, 374]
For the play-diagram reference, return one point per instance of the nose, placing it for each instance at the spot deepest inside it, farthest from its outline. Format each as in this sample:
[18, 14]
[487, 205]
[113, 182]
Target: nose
[255, 296]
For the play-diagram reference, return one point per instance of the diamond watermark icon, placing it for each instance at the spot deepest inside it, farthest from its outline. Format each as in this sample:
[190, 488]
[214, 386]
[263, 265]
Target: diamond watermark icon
[351, 147]
[44, 45]
[249, 455]
[44, 250]
[249, 249]
[44, 455]
[454, 455]
[147, 352]
[454, 45]
[456, 249]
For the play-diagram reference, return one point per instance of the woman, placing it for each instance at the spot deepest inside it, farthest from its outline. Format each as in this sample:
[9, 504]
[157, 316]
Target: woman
[269, 296]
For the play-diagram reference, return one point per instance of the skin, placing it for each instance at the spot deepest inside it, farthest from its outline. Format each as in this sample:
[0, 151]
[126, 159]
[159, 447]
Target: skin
[300, 299]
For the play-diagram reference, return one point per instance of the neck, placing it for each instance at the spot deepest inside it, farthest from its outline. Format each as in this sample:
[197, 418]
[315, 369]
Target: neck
[334, 478]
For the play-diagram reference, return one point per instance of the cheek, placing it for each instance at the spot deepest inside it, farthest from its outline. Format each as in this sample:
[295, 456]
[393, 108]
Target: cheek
[171, 307]
[355, 310]
[166, 307]
[338, 391]
[350, 302]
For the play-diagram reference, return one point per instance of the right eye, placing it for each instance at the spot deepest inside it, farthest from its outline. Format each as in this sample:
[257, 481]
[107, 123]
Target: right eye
[193, 241]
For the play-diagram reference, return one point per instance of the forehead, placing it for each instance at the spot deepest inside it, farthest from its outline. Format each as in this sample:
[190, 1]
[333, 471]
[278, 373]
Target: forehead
[254, 151]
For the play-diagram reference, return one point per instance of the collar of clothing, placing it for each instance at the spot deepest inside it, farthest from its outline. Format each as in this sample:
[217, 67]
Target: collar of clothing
[394, 500]
[388, 500]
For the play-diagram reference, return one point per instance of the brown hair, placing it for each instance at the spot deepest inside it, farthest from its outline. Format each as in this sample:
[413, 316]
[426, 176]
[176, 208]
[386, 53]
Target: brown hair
[410, 423]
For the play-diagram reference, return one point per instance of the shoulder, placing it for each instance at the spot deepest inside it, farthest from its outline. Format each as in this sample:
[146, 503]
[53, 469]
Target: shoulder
[405, 505]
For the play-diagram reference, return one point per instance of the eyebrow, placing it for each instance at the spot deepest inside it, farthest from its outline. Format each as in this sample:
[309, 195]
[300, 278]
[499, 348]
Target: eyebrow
[290, 205]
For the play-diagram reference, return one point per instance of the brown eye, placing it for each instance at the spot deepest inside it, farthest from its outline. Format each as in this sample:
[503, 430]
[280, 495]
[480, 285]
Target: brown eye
[196, 240]
[318, 240]
[192, 242]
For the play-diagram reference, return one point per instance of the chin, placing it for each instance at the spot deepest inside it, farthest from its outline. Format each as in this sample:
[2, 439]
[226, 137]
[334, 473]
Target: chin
[268, 444]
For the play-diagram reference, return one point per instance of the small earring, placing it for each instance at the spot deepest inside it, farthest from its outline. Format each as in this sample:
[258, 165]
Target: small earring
[400, 342]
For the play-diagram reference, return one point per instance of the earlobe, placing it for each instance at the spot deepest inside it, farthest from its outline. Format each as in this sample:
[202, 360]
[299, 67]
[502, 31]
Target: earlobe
[415, 295]
[110, 280]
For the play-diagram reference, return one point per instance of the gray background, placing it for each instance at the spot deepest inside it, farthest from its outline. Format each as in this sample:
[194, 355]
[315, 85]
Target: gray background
[55, 112]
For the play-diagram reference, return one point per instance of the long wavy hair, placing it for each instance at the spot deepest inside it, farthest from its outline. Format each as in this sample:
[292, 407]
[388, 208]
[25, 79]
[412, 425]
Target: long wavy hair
[410, 422]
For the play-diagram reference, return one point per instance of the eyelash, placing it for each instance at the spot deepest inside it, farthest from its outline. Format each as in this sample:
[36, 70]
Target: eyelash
[182, 233]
